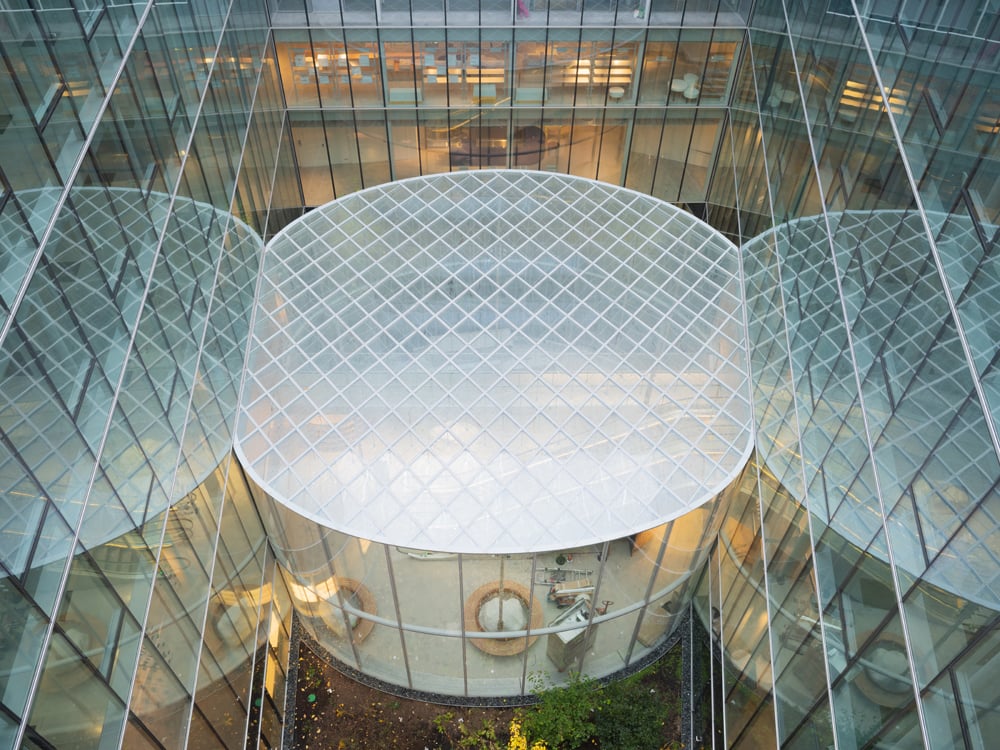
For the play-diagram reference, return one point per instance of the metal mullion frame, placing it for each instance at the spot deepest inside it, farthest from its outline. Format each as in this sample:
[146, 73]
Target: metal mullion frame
[572, 107]
[981, 635]
[647, 595]
[546, 68]
[399, 620]
[612, 44]
[663, 127]
[964, 198]
[509, 57]
[134, 355]
[354, 116]
[207, 722]
[325, 124]
[418, 87]
[766, 704]
[153, 480]
[461, 624]
[534, 316]
[550, 274]
[718, 641]
[387, 118]
[171, 277]
[425, 117]
[392, 115]
[527, 626]
[17, 579]
[212, 590]
[840, 499]
[625, 290]
[341, 600]
[969, 394]
[79, 224]
[449, 359]
[119, 117]
[592, 606]
[696, 114]
[909, 497]
[958, 705]
[805, 725]
[182, 532]
[90, 26]
[640, 59]
[37, 361]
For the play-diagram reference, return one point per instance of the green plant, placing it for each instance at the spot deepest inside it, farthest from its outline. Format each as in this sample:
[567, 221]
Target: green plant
[630, 716]
[461, 736]
[563, 716]
[312, 677]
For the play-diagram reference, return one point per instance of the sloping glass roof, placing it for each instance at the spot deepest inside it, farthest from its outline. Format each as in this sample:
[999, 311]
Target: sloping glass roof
[496, 361]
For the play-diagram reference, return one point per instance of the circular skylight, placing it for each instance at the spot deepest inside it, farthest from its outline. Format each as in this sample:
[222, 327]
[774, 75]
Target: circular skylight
[496, 361]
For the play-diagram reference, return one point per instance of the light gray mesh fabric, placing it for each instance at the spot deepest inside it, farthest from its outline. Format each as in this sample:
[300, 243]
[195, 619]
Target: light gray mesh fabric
[496, 361]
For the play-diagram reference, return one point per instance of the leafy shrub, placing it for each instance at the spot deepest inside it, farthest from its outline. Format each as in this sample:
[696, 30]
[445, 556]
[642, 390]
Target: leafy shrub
[563, 716]
[462, 737]
[630, 716]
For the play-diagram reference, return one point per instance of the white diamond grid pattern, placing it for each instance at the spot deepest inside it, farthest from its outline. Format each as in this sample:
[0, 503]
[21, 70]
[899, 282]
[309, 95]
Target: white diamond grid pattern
[32, 418]
[936, 450]
[502, 361]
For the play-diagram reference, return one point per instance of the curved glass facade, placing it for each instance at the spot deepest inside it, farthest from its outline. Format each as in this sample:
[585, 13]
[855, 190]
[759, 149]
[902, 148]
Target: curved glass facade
[415, 618]
[851, 573]
[496, 361]
[119, 382]
[454, 374]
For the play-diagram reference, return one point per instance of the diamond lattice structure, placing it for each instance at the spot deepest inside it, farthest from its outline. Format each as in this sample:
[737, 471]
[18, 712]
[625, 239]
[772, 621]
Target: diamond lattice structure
[497, 361]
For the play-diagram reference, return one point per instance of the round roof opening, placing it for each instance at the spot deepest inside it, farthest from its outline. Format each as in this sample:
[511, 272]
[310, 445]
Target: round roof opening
[496, 361]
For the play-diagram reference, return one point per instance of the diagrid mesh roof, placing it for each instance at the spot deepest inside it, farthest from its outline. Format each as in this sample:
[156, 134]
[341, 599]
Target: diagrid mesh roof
[496, 361]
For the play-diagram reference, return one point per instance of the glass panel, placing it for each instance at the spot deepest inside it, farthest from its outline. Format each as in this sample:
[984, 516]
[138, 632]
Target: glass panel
[978, 691]
[382, 655]
[944, 724]
[374, 149]
[54, 544]
[159, 699]
[20, 644]
[499, 595]
[613, 139]
[436, 663]
[427, 585]
[216, 697]
[92, 617]
[73, 706]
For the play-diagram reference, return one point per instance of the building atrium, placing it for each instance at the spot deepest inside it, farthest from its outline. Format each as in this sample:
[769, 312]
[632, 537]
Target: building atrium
[473, 340]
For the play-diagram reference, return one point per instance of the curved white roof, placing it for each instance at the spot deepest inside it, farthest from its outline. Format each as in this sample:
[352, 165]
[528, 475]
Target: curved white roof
[496, 361]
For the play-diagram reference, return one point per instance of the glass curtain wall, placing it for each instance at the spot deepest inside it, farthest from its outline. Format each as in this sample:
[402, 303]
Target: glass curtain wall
[415, 618]
[875, 432]
[125, 290]
[635, 106]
